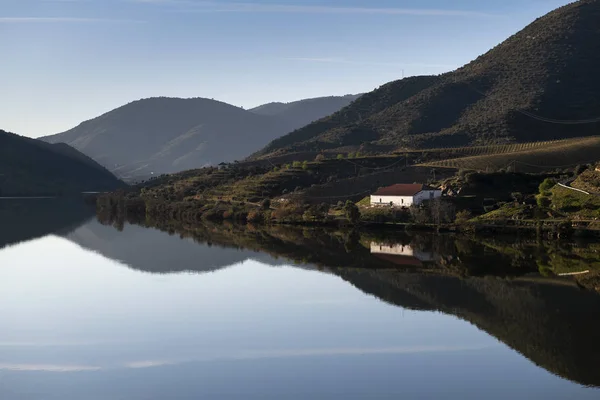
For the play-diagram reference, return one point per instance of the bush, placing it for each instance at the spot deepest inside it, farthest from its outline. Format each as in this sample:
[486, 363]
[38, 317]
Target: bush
[340, 157]
[543, 201]
[314, 213]
[580, 169]
[256, 217]
[352, 212]
[320, 158]
[265, 204]
[462, 217]
[546, 185]
[288, 213]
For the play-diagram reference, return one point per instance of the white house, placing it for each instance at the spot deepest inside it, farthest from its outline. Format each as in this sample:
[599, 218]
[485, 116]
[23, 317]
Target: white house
[404, 195]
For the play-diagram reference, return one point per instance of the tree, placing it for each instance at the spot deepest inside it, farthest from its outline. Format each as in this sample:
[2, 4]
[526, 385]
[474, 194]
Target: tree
[546, 185]
[435, 212]
[305, 165]
[517, 197]
[265, 204]
[543, 201]
[462, 217]
[320, 158]
[352, 212]
[442, 212]
[580, 169]
[340, 157]
[314, 213]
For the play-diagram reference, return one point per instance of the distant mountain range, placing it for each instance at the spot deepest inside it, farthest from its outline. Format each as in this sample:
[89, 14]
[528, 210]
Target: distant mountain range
[540, 84]
[32, 167]
[300, 113]
[163, 135]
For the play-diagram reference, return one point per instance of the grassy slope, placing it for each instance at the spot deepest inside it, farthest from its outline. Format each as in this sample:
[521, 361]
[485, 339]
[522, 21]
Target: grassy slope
[547, 69]
[530, 157]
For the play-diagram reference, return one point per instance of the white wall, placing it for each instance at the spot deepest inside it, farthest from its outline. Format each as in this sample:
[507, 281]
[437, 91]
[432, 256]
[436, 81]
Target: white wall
[398, 201]
[406, 201]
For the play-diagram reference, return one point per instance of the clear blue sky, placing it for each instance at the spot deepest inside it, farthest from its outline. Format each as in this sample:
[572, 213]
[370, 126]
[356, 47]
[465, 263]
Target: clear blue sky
[65, 61]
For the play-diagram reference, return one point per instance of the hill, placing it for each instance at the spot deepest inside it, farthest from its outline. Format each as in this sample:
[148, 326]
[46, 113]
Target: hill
[528, 157]
[32, 167]
[303, 112]
[540, 84]
[164, 135]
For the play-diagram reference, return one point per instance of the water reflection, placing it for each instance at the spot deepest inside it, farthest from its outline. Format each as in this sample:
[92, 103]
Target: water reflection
[23, 220]
[401, 254]
[501, 285]
[79, 317]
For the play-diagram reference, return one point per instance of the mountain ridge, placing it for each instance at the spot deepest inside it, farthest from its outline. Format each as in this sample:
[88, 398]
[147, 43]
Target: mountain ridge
[533, 86]
[32, 167]
[166, 134]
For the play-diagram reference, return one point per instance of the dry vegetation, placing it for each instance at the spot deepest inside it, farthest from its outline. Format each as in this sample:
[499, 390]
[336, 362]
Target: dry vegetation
[529, 157]
[545, 73]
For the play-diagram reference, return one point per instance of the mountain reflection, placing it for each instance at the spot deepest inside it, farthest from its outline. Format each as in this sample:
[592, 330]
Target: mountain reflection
[504, 287]
[24, 220]
[510, 288]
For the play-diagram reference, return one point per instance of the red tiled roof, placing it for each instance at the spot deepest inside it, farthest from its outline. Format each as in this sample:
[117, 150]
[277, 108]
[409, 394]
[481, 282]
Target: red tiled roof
[402, 190]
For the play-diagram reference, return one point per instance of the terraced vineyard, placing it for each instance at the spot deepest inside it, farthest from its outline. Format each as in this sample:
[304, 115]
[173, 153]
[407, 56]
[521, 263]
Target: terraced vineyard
[526, 157]
[471, 151]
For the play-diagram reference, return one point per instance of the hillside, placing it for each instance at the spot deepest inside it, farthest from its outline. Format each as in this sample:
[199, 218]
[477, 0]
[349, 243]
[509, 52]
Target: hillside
[528, 157]
[540, 84]
[164, 135]
[32, 167]
[303, 112]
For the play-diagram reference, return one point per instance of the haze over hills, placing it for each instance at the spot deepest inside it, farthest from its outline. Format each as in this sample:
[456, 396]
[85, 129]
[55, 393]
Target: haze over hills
[540, 84]
[162, 135]
[303, 112]
[32, 167]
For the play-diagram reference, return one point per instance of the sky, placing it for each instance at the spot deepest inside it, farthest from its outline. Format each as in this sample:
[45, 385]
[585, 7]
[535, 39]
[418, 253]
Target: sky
[67, 61]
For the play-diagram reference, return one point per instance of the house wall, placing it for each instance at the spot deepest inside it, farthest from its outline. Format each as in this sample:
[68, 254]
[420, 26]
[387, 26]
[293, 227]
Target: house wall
[427, 195]
[397, 201]
[406, 201]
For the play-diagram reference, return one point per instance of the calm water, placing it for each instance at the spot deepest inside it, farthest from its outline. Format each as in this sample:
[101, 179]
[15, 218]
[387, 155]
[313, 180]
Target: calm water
[91, 312]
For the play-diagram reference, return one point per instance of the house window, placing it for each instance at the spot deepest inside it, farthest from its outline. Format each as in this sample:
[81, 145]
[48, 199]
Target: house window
[381, 200]
[431, 194]
[402, 201]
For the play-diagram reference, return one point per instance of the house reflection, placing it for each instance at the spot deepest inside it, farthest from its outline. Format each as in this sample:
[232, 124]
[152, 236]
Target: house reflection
[401, 254]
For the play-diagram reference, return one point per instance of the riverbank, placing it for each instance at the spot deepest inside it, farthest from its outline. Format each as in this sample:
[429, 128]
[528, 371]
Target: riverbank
[340, 216]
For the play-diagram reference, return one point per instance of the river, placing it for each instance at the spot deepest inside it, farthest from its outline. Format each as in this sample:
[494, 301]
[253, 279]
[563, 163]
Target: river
[105, 309]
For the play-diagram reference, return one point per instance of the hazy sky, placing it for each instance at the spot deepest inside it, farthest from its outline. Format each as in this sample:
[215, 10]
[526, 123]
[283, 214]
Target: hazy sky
[65, 61]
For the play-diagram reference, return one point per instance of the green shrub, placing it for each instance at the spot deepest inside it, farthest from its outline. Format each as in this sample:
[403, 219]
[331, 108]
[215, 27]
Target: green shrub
[546, 185]
[543, 201]
[462, 217]
[352, 212]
